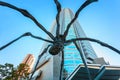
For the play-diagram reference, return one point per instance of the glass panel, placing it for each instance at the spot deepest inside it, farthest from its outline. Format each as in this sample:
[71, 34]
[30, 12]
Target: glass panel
[68, 62]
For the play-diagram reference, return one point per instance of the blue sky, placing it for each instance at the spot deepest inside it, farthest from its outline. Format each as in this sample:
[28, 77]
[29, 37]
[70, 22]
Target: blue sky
[100, 20]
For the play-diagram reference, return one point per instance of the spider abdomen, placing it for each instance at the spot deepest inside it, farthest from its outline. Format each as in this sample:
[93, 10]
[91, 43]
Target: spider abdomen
[56, 48]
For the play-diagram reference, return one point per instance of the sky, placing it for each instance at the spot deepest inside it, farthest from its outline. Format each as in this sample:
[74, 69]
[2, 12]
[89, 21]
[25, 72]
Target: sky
[99, 20]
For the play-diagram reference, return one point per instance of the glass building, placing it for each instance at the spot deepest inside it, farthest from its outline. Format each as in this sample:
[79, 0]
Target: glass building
[72, 57]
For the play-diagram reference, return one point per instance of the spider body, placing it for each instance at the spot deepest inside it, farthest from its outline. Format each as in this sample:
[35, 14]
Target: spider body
[58, 45]
[56, 48]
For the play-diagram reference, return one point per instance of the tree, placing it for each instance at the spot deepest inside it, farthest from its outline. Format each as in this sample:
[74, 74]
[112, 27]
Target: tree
[9, 72]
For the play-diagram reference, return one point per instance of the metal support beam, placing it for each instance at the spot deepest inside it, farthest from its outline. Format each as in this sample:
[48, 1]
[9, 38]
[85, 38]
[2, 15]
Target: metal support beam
[100, 73]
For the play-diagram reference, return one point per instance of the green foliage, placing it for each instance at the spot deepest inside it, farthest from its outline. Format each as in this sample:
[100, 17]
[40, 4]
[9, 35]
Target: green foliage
[9, 72]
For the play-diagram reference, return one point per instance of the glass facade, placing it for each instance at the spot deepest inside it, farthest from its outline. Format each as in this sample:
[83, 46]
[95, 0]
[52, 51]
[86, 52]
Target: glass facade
[71, 55]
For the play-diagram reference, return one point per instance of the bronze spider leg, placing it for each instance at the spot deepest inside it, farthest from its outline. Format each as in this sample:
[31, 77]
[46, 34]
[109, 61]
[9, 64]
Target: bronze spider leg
[27, 14]
[97, 41]
[76, 15]
[24, 35]
[83, 59]
[58, 5]
[39, 57]
[62, 66]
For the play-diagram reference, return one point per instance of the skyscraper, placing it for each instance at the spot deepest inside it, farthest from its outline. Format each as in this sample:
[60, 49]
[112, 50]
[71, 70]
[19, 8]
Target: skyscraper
[72, 57]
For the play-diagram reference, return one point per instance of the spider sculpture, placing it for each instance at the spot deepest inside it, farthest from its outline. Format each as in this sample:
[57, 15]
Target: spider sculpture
[59, 41]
